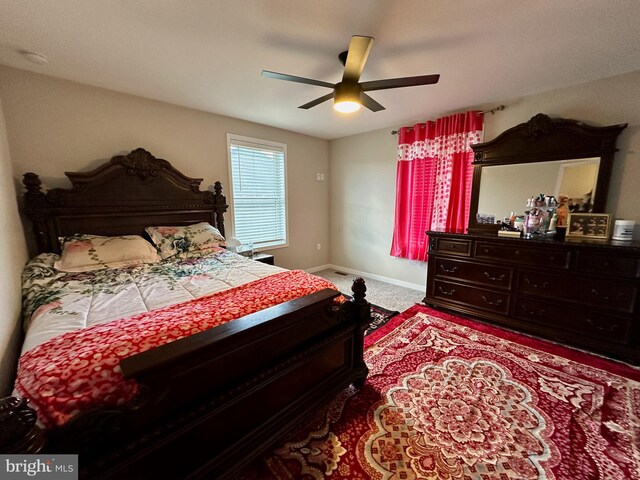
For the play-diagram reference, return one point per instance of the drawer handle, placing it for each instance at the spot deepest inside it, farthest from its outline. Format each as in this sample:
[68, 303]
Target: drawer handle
[517, 252]
[606, 298]
[545, 284]
[612, 328]
[606, 263]
[494, 279]
[540, 313]
[451, 270]
[497, 303]
[444, 292]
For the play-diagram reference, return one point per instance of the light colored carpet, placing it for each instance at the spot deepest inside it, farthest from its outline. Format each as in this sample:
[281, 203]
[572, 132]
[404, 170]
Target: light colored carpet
[383, 294]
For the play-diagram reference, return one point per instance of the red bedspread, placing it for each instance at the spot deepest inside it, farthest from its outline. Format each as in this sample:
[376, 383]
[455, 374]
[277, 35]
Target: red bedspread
[80, 369]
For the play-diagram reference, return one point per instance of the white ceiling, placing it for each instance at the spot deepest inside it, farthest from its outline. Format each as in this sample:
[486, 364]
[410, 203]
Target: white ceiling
[208, 54]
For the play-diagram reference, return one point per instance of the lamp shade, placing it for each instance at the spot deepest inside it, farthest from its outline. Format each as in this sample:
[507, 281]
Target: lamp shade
[233, 243]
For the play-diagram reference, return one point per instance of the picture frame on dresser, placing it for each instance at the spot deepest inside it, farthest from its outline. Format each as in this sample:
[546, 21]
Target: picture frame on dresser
[593, 226]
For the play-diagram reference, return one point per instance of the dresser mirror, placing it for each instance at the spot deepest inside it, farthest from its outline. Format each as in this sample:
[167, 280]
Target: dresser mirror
[502, 192]
[544, 155]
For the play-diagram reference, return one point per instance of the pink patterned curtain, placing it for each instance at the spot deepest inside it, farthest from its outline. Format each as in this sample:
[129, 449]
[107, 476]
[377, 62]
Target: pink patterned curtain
[433, 183]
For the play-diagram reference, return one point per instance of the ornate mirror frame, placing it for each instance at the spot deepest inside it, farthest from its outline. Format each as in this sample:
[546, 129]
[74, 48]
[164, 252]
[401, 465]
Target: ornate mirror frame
[543, 139]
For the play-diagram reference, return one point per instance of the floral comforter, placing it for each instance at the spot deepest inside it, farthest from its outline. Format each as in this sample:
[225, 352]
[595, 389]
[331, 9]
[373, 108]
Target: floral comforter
[56, 302]
[78, 369]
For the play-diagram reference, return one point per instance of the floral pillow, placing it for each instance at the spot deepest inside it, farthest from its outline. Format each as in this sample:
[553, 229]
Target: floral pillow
[174, 240]
[83, 253]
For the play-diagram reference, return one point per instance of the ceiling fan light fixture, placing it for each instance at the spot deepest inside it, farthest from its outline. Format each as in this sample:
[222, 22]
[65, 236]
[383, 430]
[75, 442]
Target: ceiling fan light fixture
[347, 97]
[349, 94]
[346, 106]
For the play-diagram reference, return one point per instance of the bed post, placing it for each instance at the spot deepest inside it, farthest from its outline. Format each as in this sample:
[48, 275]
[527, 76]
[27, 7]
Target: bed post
[221, 206]
[35, 202]
[361, 310]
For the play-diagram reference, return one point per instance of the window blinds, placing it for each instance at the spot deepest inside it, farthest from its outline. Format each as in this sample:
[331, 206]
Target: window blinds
[258, 178]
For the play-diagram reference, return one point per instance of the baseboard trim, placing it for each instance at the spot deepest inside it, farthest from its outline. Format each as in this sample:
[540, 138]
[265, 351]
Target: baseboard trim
[373, 276]
[317, 269]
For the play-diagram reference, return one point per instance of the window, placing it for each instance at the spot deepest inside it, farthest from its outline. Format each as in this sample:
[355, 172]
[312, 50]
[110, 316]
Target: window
[258, 190]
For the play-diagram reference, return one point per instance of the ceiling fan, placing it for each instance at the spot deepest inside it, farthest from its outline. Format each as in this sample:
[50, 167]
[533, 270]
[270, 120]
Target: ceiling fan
[349, 94]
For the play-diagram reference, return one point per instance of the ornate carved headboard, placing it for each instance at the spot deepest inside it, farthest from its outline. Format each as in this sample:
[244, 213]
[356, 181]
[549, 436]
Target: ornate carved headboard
[123, 196]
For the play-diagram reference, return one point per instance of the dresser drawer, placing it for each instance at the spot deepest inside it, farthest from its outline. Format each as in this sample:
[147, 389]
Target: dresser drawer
[577, 321]
[609, 295]
[606, 295]
[603, 264]
[494, 276]
[544, 285]
[541, 257]
[497, 302]
[454, 247]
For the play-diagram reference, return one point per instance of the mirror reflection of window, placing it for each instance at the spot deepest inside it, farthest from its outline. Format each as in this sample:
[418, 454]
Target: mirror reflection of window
[577, 180]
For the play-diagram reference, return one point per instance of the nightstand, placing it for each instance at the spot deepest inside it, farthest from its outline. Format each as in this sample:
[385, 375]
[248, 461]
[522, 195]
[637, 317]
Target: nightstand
[263, 257]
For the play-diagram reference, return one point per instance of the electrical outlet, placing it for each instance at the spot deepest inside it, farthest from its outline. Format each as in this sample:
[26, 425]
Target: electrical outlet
[320, 177]
[319, 246]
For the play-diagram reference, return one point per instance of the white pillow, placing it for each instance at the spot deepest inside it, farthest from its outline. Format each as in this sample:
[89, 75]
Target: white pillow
[83, 253]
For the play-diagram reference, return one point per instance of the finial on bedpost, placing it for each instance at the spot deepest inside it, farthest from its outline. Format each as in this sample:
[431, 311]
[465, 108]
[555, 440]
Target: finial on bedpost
[359, 290]
[361, 310]
[33, 185]
[18, 431]
[221, 206]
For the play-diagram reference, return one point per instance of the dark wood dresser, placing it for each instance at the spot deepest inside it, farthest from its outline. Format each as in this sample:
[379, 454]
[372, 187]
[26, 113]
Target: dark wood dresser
[581, 294]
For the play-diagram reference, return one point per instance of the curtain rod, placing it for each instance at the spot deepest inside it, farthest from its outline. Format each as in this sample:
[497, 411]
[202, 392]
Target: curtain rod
[499, 108]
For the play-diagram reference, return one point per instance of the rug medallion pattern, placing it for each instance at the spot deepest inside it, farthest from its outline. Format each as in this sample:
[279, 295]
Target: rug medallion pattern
[446, 401]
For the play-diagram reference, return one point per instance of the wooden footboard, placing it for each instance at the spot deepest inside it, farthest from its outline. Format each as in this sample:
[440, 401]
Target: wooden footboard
[210, 403]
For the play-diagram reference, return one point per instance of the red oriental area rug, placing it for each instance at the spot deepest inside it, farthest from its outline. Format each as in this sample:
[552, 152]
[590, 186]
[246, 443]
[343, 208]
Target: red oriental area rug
[449, 398]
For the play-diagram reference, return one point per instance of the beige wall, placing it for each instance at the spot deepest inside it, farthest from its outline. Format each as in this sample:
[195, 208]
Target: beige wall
[14, 255]
[55, 126]
[363, 170]
[363, 173]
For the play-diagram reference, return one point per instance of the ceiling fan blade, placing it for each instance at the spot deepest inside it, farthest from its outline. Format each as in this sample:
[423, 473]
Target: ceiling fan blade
[399, 82]
[359, 49]
[293, 78]
[317, 101]
[370, 103]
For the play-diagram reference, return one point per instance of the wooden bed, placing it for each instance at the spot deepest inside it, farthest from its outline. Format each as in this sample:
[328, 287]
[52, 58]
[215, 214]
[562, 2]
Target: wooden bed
[211, 402]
